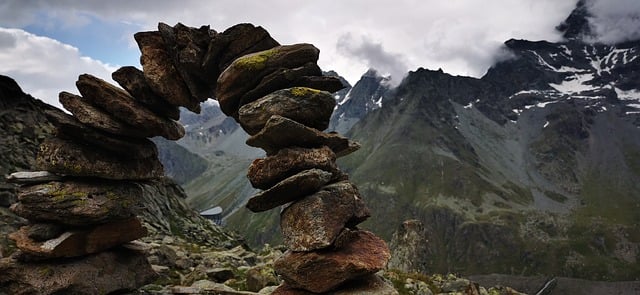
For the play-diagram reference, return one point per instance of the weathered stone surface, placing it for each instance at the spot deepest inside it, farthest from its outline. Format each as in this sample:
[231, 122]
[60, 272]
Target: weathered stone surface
[307, 106]
[246, 72]
[69, 127]
[160, 72]
[133, 81]
[94, 117]
[289, 190]
[81, 241]
[122, 106]
[280, 79]
[367, 285]
[266, 172]
[188, 47]
[44, 231]
[280, 132]
[236, 41]
[69, 158]
[316, 221]
[259, 277]
[324, 83]
[107, 272]
[410, 244]
[79, 202]
[32, 177]
[359, 253]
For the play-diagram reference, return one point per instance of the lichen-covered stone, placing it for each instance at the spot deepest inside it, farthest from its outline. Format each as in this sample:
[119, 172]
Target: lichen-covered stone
[160, 72]
[357, 254]
[246, 72]
[310, 107]
[266, 172]
[69, 158]
[280, 132]
[119, 104]
[79, 202]
[289, 190]
[133, 81]
[316, 221]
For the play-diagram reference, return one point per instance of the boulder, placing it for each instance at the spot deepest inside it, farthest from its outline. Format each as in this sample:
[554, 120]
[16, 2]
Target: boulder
[367, 285]
[280, 132]
[236, 41]
[81, 241]
[289, 190]
[266, 172]
[358, 254]
[310, 107]
[94, 117]
[314, 222]
[133, 81]
[110, 272]
[44, 231]
[32, 177]
[246, 72]
[70, 128]
[160, 72]
[79, 202]
[66, 157]
[280, 79]
[188, 46]
[122, 106]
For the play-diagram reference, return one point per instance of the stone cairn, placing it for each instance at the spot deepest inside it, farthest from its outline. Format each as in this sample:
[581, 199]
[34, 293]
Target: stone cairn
[85, 199]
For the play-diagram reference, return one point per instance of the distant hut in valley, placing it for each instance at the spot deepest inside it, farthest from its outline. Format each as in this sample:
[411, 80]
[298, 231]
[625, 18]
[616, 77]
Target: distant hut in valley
[214, 214]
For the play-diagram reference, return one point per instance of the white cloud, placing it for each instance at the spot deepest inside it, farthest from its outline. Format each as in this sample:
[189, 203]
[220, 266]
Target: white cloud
[43, 67]
[615, 20]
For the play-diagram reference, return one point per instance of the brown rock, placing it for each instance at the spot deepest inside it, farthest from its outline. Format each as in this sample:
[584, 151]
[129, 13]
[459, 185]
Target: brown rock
[188, 46]
[289, 190]
[280, 79]
[79, 242]
[69, 127]
[307, 106]
[122, 106]
[236, 41]
[79, 202]
[133, 81]
[44, 231]
[265, 173]
[107, 272]
[324, 83]
[247, 71]
[160, 72]
[361, 254]
[281, 132]
[94, 117]
[66, 157]
[367, 285]
[314, 222]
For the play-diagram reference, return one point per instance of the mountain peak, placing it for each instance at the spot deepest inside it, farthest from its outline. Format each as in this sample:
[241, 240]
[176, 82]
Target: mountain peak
[576, 25]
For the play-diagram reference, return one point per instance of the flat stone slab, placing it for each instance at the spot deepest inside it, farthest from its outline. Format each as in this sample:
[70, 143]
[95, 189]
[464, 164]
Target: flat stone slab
[310, 107]
[81, 242]
[280, 132]
[133, 81]
[368, 285]
[32, 177]
[292, 188]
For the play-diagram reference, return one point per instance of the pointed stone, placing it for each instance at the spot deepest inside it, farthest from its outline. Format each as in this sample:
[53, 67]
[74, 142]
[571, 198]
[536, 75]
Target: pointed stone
[357, 254]
[188, 46]
[81, 241]
[236, 41]
[68, 127]
[265, 173]
[314, 222]
[289, 190]
[122, 106]
[280, 132]
[160, 72]
[79, 202]
[310, 107]
[111, 272]
[133, 81]
[69, 158]
[246, 72]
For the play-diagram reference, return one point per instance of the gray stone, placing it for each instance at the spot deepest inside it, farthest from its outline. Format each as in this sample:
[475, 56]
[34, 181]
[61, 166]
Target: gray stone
[32, 177]
[289, 190]
[133, 81]
[44, 231]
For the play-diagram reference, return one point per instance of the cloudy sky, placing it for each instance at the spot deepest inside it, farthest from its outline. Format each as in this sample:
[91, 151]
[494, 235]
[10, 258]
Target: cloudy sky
[45, 45]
